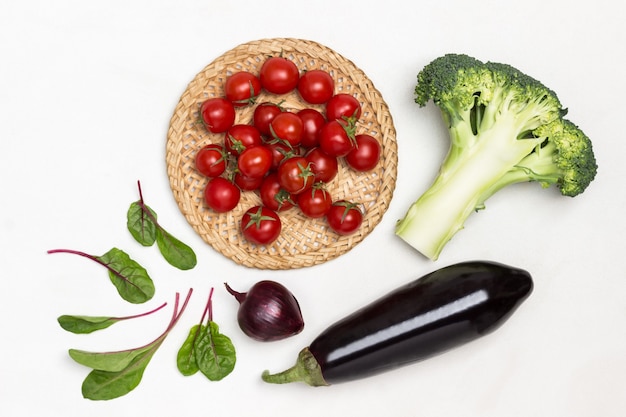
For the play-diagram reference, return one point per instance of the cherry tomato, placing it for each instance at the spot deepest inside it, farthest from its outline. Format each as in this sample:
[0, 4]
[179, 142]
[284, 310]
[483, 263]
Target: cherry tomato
[241, 136]
[211, 160]
[324, 166]
[273, 196]
[312, 122]
[336, 139]
[221, 195]
[316, 86]
[343, 106]
[260, 225]
[255, 161]
[217, 114]
[263, 115]
[315, 202]
[344, 217]
[288, 128]
[246, 183]
[365, 154]
[279, 75]
[295, 175]
[280, 151]
[242, 88]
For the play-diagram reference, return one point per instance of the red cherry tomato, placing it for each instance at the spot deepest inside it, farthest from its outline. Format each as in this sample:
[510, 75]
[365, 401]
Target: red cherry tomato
[211, 160]
[324, 166]
[295, 175]
[280, 151]
[263, 115]
[343, 106]
[312, 122]
[344, 217]
[260, 225]
[279, 75]
[316, 86]
[221, 195]
[241, 136]
[273, 195]
[365, 155]
[217, 114]
[242, 88]
[336, 139]
[315, 202]
[255, 162]
[287, 127]
[247, 183]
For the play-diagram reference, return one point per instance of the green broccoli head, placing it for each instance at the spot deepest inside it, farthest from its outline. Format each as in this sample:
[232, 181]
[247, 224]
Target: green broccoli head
[471, 92]
[452, 78]
[505, 127]
[565, 157]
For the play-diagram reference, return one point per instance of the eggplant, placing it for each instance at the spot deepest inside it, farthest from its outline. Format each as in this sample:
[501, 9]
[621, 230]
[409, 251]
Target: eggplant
[433, 314]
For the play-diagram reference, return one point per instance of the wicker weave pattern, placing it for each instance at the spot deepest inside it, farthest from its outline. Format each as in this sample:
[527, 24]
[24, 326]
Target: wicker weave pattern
[303, 242]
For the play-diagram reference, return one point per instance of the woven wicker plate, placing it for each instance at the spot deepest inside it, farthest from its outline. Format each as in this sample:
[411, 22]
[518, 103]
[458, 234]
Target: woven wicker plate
[303, 241]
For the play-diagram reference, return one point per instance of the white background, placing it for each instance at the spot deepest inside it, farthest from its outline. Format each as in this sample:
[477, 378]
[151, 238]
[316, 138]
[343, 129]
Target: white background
[86, 93]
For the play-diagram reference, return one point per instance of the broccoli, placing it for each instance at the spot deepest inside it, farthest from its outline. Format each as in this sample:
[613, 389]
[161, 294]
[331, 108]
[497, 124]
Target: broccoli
[505, 128]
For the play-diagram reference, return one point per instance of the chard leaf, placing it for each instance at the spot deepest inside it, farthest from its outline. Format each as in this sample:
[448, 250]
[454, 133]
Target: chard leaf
[107, 385]
[131, 279]
[85, 324]
[140, 221]
[115, 374]
[186, 358]
[215, 353]
[144, 227]
[175, 252]
[107, 361]
[89, 324]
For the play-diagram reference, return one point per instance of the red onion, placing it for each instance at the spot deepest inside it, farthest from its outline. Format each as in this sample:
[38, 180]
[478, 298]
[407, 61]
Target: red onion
[268, 311]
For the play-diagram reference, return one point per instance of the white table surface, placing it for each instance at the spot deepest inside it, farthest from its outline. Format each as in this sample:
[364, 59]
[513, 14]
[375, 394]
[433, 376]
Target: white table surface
[86, 93]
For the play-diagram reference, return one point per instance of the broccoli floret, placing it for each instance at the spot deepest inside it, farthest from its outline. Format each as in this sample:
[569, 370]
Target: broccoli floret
[505, 127]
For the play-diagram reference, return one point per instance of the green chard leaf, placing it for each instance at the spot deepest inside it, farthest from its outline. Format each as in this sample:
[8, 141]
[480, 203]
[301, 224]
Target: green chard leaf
[186, 358]
[140, 223]
[107, 385]
[85, 324]
[131, 279]
[115, 374]
[206, 349]
[144, 227]
[89, 324]
[175, 252]
[215, 353]
[107, 361]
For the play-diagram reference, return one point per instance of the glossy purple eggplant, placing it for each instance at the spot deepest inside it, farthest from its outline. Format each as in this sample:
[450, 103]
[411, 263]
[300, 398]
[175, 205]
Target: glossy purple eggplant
[440, 311]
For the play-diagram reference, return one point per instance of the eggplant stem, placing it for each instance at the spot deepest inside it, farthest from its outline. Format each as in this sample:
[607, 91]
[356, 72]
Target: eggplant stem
[306, 370]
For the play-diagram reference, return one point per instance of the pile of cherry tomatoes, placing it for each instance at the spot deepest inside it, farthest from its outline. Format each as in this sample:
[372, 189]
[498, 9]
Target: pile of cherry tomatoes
[287, 156]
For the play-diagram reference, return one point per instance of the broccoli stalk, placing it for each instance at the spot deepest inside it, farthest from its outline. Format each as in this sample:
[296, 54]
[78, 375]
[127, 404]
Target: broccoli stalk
[505, 128]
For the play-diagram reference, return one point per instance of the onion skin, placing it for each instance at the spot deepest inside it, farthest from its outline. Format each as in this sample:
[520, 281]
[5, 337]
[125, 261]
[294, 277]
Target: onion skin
[268, 311]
